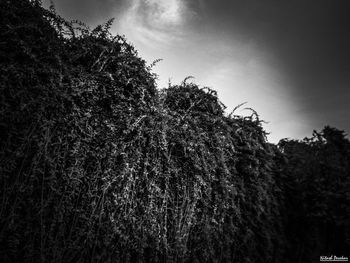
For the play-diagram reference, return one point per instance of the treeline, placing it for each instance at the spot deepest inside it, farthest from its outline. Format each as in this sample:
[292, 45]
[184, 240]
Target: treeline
[98, 165]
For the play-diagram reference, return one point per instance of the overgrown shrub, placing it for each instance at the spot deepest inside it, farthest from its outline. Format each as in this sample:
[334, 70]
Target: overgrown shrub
[98, 165]
[317, 181]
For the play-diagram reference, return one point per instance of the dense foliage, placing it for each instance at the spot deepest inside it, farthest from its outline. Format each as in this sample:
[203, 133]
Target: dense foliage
[98, 165]
[317, 190]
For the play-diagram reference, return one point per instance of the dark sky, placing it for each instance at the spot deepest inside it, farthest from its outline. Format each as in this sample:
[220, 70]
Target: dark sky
[289, 59]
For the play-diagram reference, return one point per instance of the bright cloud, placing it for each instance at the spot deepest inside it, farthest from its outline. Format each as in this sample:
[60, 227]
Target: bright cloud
[156, 22]
[166, 12]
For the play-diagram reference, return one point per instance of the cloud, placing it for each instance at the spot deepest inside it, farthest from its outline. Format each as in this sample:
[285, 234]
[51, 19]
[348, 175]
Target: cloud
[156, 23]
[165, 13]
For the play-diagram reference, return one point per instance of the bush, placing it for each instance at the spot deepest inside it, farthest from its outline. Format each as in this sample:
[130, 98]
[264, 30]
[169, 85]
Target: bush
[98, 165]
[316, 188]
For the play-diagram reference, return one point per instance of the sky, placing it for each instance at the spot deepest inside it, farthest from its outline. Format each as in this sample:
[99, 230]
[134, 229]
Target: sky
[288, 60]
